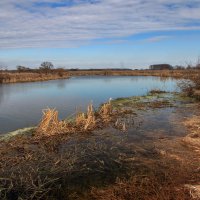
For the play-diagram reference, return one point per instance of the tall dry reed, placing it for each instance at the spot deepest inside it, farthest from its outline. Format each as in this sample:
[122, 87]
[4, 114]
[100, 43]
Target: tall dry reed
[50, 124]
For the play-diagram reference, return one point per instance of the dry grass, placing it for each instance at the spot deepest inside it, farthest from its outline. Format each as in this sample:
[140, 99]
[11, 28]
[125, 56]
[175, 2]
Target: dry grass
[14, 77]
[86, 121]
[63, 166]
[193, 139]
[161, 73]
[90, 118]
[106, 111]
[166, 180]
[142, 188]
[29, 77]
[51, 125]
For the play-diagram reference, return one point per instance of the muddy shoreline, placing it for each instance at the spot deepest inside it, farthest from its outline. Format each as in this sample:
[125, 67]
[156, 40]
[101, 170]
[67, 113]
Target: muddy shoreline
[152, 158]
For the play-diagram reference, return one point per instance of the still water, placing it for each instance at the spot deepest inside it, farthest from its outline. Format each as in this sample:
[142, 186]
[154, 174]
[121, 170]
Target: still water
[21, 104]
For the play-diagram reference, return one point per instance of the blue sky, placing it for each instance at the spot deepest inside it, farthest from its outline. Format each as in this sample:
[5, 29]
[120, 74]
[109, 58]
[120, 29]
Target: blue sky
[99, 33]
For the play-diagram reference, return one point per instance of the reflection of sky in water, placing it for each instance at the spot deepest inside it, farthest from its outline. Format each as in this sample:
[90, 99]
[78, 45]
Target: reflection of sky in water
[21, 104]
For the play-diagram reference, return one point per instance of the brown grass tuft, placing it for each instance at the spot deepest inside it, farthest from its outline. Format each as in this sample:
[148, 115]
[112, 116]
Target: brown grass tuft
[106, 111]
[193, 139]
[90, 119]
[80, 119]
[51, 125]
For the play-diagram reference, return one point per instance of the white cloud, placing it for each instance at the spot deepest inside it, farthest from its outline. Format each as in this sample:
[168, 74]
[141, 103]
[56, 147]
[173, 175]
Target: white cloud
[23, 24]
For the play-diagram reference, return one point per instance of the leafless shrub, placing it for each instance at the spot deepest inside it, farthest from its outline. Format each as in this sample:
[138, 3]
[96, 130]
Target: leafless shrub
[191, 86]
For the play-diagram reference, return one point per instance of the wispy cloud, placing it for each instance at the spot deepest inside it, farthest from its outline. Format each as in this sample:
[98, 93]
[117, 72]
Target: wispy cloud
[157, 38]
[60, 23]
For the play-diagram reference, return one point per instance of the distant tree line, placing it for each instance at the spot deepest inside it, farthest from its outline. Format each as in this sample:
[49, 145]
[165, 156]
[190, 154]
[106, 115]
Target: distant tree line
[48, 67]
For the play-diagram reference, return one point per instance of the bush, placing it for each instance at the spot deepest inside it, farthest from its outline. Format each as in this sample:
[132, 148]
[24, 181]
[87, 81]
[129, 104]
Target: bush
[191, 86]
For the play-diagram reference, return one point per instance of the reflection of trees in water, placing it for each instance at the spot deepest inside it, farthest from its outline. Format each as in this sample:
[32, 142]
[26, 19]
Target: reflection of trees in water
[61, 84]
[107, 79]
[164, 78]
[140, 78]
[135, 78]
[6, 90]
[3, 93]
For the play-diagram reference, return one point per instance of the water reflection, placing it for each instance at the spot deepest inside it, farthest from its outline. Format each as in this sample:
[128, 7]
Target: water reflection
[1, 93]
[61, 84]
[21, 104]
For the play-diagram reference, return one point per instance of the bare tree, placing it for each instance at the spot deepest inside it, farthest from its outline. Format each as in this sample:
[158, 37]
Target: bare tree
[22, 68]
[198, 63]
[46, 65]
[3, 68]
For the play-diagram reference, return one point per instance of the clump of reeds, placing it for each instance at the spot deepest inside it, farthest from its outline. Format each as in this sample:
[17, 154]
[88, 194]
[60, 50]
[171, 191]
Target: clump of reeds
[50, 123]
[90, 119]
[80, 119]
[49, 120]
[86, 121]
[106, 111]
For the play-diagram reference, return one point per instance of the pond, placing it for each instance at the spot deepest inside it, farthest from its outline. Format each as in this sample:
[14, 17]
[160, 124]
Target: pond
[21, 104]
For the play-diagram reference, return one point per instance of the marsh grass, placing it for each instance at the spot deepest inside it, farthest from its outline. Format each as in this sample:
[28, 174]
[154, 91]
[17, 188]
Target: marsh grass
[16, 77]
[63, 166]
[38, 75]
[106, 111]
[51, 125]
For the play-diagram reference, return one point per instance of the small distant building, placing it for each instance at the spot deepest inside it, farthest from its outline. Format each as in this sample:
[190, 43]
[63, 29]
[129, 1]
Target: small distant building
[160, 67]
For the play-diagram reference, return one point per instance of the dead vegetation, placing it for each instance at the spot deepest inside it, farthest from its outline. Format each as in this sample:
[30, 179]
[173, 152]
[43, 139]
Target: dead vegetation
[191, 85]
[85, 122]
[193, 138]
[156, 185]
[161, 73]
[16, 77]
[41, 75]
[61, 167]
[51, 125]
[64, 166]
[106, 111]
